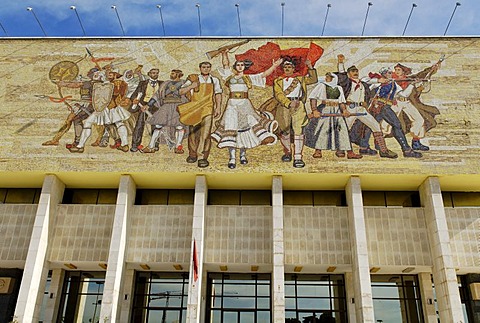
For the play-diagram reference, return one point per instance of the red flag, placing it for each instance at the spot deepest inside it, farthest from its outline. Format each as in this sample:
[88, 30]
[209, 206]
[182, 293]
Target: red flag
[195, 261]
[263, 57]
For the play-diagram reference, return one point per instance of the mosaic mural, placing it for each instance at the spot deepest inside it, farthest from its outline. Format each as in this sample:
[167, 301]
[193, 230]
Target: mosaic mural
[386, 105]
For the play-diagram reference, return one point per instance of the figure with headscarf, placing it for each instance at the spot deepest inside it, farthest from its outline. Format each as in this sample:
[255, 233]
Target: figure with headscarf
[328, 128]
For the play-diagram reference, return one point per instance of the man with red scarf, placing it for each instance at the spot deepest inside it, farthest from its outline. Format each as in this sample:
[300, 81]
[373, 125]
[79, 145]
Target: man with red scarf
[290, 90]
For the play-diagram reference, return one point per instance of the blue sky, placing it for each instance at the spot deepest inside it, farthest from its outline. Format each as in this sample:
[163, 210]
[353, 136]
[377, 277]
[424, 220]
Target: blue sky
[258, 17]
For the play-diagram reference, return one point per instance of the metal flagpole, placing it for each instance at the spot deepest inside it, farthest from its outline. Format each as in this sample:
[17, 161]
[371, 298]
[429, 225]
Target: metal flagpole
[199, 19]
[283, 15]
[161, 18]
[78, 17]
[1, 26]
[451, 17]
[408, 20]
[238, 16]
[366, 16]
[326, 16]
[38, 21]
[114, 7]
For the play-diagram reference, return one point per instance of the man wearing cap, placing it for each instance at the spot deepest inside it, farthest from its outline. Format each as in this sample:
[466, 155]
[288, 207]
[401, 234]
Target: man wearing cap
[290, 90]
[358, 95]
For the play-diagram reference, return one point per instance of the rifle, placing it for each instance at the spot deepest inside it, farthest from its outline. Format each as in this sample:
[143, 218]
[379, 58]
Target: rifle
[213, 53]
[356, 114]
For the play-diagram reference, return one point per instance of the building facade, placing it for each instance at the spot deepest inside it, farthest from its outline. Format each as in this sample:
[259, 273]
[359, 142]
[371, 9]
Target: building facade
[104, 233]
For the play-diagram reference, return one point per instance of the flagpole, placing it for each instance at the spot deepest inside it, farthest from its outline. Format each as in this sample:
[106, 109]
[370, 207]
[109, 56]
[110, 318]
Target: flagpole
[114, 7]
[78, 17]
[238, 16]
[199, 19]
[161, 18]
[451, 17]
[326, 16]
[1, 26]
[283, 14]
[366, 16]
[404, 29]
[38, 21]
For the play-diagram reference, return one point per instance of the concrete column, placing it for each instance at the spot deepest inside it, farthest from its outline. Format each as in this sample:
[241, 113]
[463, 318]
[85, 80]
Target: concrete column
[195, 313]
[426, 290]
[54, 295]
[128, 291]
[361, 268]
[350, 295]
[278, 279]
[444, 275]
[113, 289]
[35, 273]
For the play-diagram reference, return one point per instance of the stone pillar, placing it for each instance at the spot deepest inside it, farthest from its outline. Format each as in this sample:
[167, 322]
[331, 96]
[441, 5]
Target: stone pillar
[35, 272]
[444, 275]
[195, 304]
[113, 289]
[54, 295]
[426, 291]
[350, 295]
[361, 268]
[128, 292]
[278, 279]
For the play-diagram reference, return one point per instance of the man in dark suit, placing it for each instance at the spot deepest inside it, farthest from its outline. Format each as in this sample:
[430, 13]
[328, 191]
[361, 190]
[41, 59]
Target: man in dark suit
[144, 104]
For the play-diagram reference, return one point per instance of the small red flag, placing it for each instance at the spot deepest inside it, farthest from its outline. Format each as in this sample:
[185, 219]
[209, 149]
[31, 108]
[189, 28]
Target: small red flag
[195, 261]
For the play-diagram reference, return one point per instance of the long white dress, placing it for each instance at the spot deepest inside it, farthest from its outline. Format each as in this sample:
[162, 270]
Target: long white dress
[241, 126]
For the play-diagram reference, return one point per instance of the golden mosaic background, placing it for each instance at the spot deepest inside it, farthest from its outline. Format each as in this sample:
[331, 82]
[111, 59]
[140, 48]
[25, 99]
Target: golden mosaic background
[26, 121]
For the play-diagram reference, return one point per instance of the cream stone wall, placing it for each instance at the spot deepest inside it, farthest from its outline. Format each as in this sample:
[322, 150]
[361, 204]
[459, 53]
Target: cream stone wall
[16, 225]
[160, 233]
[238, 234]
[82, 233]
[397, 237]
[316, 235]
[464, 230]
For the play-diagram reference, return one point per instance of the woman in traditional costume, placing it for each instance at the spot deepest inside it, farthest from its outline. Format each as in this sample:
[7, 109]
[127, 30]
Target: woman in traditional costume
[241, 126]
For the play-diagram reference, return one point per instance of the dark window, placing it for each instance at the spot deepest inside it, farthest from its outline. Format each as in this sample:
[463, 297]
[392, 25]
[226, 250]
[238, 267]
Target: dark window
[391, 198]
[459, 199]
[46, 295]
[164, 197]
[90, 196]
[160, 297]
[81, 298]
[314, 198]
[237, 197]
[315, 298]
[20, 195]
[396, 298]
[238, 298]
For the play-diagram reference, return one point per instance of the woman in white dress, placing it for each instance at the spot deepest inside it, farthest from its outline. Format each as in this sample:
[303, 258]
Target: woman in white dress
[241, 126]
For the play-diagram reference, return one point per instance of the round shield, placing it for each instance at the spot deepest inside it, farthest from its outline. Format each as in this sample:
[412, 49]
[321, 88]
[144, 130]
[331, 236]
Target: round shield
[63, 71]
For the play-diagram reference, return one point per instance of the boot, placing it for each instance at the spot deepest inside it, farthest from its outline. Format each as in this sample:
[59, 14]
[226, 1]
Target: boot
[411, 153]
[298, 147]
[243, 156]
[352, 155]
[417, 145]
[287, 150]
[380, 142]
[317, 153]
